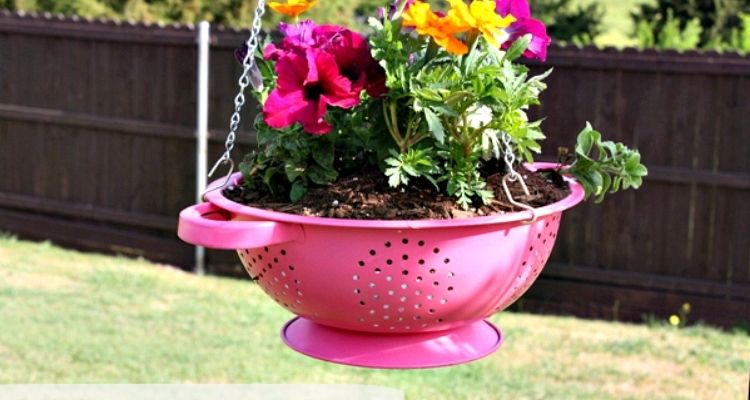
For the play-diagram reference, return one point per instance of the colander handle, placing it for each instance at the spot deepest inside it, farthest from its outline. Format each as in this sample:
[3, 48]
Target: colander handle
[209, 226]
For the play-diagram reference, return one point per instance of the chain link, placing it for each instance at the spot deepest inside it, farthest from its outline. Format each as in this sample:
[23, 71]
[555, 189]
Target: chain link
[239, 101]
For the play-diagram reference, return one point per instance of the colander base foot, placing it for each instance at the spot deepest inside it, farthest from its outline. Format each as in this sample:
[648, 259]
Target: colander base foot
[393, 351]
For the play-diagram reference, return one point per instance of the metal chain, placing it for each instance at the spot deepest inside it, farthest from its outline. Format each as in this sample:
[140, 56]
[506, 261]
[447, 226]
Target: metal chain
[514, 176]
[244, 81]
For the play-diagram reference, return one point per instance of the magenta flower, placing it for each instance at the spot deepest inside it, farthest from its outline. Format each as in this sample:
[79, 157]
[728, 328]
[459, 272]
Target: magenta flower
[353, 56]
[350, 49]
[307, 84]
[525, 25]
[298, 36]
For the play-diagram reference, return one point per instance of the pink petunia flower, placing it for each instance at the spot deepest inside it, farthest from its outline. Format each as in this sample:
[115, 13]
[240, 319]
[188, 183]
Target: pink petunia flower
[350, 49]
[299, 36]
[307, 84]
[353, 56]
[524, 25]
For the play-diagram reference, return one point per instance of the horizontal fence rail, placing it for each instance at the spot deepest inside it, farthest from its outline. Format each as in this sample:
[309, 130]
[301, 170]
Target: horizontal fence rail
[97, 151]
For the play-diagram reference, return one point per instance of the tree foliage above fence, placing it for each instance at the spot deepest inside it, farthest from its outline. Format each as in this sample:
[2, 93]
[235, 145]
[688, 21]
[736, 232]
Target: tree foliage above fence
[567, 21]
[682, 25]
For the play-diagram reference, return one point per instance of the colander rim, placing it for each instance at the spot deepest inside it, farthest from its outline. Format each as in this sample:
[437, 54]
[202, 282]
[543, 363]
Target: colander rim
[217, 198]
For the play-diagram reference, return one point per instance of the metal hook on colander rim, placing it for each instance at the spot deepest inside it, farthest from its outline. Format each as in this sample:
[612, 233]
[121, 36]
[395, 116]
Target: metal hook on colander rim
[513, 176]
[228, 176]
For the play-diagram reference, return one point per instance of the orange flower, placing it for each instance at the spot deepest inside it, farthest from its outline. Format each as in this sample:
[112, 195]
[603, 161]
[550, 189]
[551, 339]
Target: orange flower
[441, 29]
[292, 8]
[481, 16]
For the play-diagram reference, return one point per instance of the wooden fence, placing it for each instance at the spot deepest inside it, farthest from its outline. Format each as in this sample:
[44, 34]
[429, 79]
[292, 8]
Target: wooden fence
[97, 151]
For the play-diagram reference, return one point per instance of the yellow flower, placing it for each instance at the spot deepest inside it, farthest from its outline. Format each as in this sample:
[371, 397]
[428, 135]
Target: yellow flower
[442, 30]
[482, 17]
[292, 8]
[674, 320]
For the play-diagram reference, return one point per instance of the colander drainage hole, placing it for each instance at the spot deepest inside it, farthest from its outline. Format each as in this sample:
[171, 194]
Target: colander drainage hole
[387, 244]
[362, 303]
[419, 279]
[391, 293]
[372, 252]
[355, 277]
[405, 257]
[436, 250]
[405, 241]
[432, 271]
[421, 243]
[451, 274]
[447, 260]
[450, 288]
[265, 249]
[291, 267]
[283, 252]
[361, 263]
[421, 262]
[372, 285]
[378, 271]
[436, 283]
[405, 272]
[389, 261]
[404, 286]
[431, 311]
[357, 291]
[276, 260]
[388, 278]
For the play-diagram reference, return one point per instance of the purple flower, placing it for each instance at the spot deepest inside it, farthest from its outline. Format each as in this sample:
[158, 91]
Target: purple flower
[523, 26]
[307, 84]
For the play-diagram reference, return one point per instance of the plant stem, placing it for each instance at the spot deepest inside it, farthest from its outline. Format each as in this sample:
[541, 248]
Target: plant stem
[394, 128]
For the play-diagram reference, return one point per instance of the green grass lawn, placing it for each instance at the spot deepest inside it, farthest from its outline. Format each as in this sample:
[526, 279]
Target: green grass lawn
[67, 317]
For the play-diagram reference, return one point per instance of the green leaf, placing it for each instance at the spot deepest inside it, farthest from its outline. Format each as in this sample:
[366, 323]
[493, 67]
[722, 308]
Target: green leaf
[436, 127]
[293, 170]
[299, 190]
[517, 48]
[616, 166]
[321, 175]
[323, 151]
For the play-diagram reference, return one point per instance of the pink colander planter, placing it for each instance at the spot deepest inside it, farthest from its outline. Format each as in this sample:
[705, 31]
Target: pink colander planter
[385, 294]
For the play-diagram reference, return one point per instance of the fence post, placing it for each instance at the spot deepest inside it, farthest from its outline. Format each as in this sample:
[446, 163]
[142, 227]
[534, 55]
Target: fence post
[204, 37]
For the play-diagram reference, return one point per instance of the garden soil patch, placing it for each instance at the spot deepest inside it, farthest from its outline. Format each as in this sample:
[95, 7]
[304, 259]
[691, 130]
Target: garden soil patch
[367, 196]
